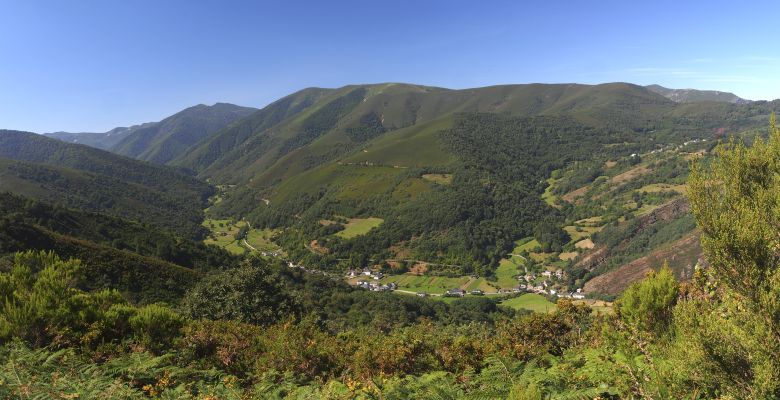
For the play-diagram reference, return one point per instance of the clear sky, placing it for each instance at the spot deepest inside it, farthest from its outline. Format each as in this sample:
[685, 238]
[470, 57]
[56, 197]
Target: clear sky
[92, 65]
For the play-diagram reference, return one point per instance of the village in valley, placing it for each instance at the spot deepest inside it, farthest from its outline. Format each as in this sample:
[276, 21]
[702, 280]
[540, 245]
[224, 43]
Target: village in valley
[543, 284]
[529, 272]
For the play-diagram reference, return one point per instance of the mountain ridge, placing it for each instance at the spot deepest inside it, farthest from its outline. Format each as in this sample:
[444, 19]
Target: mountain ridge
[696, 95]
[161, 141]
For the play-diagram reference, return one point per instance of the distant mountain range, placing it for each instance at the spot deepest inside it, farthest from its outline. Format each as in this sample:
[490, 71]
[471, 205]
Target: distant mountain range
[160, 142]
[694, 95]
[104, 140]
[194, 137]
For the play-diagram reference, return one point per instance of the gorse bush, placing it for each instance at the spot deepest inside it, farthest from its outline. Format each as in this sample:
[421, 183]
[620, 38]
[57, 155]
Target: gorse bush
[647, 306]
[39, 299]
[155, 326]
[43, 306]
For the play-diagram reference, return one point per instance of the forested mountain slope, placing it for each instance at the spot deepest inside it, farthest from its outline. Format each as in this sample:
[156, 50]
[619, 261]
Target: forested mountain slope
[168, 139]
[457, 176]
[82, 177]
[318, 125]
[122, 234]
[161, 142]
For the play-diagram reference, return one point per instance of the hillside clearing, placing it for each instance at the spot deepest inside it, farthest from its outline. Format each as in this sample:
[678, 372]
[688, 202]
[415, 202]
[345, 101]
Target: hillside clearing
[631, 174]
[663, 187]
[572, 196]
[528, 244]
[359, 226]
[577, 232]
[262, 239]
[441, 179]
[506, 272]
[548, 195]
[223, 234]
[568, 256]
[584, 244]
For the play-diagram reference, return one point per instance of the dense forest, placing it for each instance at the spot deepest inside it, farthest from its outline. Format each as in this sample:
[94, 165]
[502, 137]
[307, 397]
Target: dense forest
[80, 177]
[493, 199]
[264, 330]
[142, 261]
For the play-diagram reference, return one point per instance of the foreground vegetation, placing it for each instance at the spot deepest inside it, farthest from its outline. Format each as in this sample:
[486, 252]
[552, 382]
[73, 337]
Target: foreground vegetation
[262, 330]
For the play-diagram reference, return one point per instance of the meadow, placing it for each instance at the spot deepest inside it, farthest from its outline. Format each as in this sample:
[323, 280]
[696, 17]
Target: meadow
[359, 226]
[530, 301]
[438, 284]
[223, 234]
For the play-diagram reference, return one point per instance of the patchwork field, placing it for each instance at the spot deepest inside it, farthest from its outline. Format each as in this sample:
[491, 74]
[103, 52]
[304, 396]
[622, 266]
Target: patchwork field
[631, 174]
[223, 234]
[568, 255]
[437, 284]
[359, 226]
[578, 233]
[527, 244]
[261, 239]
[548, 195]
[592, 221]
[507, 270]
[663, 187]
[584, 244]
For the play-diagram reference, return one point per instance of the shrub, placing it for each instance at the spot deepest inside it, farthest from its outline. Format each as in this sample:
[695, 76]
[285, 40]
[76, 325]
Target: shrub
[155, 327]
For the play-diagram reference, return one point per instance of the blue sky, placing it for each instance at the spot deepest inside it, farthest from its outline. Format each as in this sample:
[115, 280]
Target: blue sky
[93, 65]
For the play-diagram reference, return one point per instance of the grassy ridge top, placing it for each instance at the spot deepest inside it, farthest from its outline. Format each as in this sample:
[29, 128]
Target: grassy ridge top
[315, 125]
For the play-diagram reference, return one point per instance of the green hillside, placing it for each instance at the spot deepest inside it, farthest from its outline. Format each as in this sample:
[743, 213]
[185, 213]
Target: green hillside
[139, 278]
[81, 177]
[228, 140]
[122, 234]
[337, 156]
[315, 126]
[163, 141]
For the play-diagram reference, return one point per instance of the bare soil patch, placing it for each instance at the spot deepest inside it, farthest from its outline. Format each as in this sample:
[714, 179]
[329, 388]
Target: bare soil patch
[418, 269]
[681, 256]
[584, 244]
[568, 256]
[572, 196]
[315, 247]
[630, 175]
